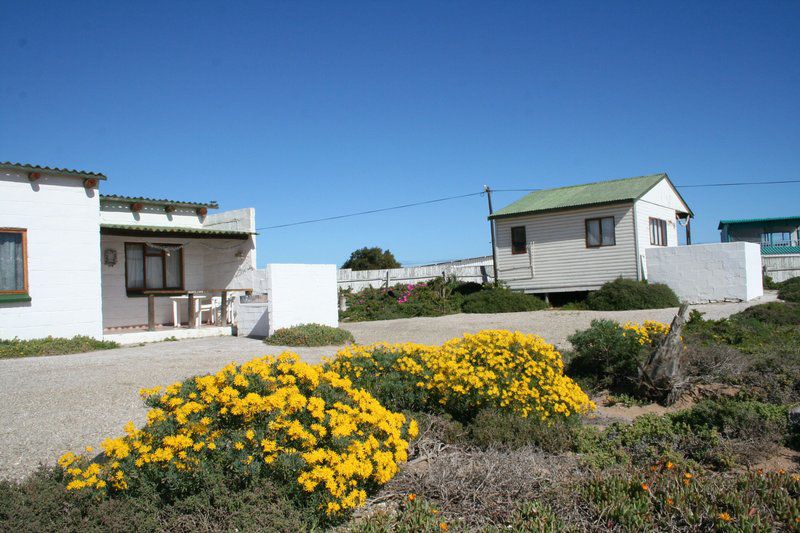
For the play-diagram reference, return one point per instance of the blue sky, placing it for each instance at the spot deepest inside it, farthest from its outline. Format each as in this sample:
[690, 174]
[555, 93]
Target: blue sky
[311, 109]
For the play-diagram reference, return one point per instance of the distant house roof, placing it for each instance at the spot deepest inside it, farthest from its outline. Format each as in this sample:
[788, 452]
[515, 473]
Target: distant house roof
[790, 219]
[167, 231]
[156, 201]
[25, 167]
[574, 196]
[779, 250]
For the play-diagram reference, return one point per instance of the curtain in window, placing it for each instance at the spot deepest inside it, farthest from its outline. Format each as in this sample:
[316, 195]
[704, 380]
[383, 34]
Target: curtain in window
[155, 269]
[11, 268]
[173, 256]
[134, 263]
[593, 232]
[608, 231]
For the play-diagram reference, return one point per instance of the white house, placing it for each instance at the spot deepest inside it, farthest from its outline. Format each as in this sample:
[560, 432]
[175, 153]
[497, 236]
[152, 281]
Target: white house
[75, 262]
[576, 238]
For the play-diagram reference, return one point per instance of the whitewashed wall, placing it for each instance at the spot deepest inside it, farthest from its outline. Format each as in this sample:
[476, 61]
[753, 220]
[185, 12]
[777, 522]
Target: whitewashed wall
[301, 294]
[660, 202]
[115, 212]
[62, 219]
[708, 272]
[558, 253]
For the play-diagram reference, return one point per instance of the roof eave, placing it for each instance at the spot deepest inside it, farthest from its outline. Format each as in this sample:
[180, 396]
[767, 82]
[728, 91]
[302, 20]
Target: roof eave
[113, 198]
[72, 173]
[555, 209]
[122, 230]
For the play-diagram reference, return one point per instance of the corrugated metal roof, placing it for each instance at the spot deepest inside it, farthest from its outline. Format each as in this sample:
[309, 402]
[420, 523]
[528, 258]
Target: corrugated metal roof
[758, 220]
[132, 229]
[26, 167]
[779, 250]
[156, 201]
[601, 192]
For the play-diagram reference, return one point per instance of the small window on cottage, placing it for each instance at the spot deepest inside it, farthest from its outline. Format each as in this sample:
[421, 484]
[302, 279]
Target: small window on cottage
[153, 267]
[658, 232]
[519, 242]
[13, 261]
[600, 232]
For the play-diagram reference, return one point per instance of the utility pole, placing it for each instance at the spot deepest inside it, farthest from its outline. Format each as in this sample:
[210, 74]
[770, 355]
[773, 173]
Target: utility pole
[488, 192]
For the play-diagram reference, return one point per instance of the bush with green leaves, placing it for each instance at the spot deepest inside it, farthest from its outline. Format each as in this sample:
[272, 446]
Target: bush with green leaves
[739, 419]
[606, 355]
[790, 290]
[623, 294]
[52, 346]
[778, 313]
[310, 335]
[373, 258]
[500, 300]
[436, 297]
[220, 503]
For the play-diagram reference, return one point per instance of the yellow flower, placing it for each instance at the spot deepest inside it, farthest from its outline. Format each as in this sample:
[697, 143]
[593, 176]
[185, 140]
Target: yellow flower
[725, 517]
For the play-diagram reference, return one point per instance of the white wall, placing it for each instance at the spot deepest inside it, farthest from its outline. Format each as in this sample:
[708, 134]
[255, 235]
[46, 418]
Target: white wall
[660, 202]
[708, 272]
[557, 249]
[114, 212]
[301, 294]
[62, 219]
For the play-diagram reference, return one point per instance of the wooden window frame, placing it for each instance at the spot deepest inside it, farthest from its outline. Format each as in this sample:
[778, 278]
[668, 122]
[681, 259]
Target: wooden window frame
[24, 233]
[514, 251]
[662, 231]
[599, 221]
[145, 255]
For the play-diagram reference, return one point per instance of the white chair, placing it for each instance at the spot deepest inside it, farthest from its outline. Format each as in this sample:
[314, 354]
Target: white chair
[211, 308]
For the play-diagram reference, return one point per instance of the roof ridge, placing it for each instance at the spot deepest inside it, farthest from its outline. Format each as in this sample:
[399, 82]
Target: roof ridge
[44, 168]
[615, 180]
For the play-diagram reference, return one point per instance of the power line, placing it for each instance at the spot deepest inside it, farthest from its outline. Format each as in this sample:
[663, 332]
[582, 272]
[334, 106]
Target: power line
[448, 198]
[426, 202]
[734, 184]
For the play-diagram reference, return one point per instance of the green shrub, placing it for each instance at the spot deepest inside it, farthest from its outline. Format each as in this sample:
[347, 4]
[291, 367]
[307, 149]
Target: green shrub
[770, 284]
[779, 313]
[738, 419]
[494, 429]
[310, 335]
[40, 503]
[673, 499]
[622, 294]
[607, 354]
[436, 297]
[575, 306]
[790, 290]
[470, 287]
[500, 300]
[52, 346]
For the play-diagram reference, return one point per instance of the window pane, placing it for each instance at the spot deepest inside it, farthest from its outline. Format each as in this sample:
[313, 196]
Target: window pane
[608, 231]
[519, 242]
[134, 264]
[593, 232]
[155, 272]
[174, 267]
[11, 262]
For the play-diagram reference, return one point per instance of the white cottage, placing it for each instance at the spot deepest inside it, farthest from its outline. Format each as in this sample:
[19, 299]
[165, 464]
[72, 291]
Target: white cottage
[75, 262]
[576, 238]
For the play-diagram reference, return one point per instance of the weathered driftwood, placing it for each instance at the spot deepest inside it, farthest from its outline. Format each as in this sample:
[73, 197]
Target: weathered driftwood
[664, 373]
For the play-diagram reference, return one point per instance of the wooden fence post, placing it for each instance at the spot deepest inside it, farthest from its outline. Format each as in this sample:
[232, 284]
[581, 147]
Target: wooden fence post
[192, 315]
[151, 312]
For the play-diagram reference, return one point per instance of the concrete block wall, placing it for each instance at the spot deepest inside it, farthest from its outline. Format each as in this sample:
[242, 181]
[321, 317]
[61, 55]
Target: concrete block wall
[252, 320]
[708, 272]
[62, 222]
[301, 294]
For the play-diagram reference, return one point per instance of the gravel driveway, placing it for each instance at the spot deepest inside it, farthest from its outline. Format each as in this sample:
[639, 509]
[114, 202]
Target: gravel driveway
[49, 405]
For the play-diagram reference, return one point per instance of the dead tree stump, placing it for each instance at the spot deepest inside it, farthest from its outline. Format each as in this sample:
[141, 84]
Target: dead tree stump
[663, 376]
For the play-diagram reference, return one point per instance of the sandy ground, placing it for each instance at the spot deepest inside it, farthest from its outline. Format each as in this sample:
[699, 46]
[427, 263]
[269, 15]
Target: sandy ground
[49, 405]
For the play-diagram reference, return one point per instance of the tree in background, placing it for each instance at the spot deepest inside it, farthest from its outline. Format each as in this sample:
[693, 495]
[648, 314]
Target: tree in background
[370, 259]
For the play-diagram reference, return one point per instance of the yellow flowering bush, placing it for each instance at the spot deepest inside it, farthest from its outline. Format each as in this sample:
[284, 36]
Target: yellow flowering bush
[273, 417]
[650, 332]
[510, 371]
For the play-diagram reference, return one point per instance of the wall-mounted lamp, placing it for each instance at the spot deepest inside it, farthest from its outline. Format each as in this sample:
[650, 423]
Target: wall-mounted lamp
[33, 176]
[90, 183]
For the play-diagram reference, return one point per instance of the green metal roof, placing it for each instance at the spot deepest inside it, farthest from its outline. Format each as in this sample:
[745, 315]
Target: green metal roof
[165, 231]
[779, 250]
[26, 167]
[601, 192]
[156, 201]
[758, 220]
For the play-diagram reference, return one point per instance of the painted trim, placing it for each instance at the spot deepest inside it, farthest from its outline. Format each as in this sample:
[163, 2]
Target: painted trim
[567, 208]
[636, 243]
[674, 189]
[8, 298]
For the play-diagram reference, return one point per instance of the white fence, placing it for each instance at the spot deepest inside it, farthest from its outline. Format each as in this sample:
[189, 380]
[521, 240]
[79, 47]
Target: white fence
[478, 270]
[781, 267]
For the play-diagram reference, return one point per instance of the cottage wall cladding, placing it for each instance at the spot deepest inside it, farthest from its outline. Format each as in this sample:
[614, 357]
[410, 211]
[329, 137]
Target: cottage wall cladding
[708, 272]
[62, 222]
